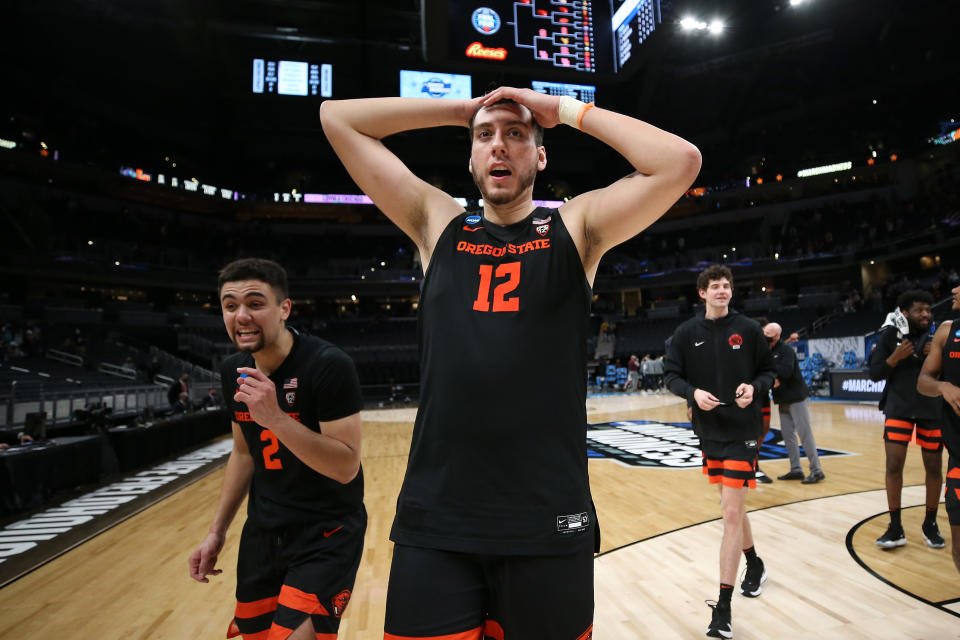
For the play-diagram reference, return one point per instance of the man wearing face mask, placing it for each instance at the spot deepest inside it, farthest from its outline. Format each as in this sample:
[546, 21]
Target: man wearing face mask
[897, 359]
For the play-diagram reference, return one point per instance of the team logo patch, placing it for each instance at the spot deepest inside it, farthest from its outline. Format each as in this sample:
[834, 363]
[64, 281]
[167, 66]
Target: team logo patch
[486, 21]
[572, 522]
[543, 229]
[290, 383]
[750, 444]
[667, 445]
[340, 602]
[735, 341]
[291, 397]
[472, 219]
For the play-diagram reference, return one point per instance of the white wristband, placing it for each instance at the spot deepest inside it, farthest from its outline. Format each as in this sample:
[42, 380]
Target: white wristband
[569, 111]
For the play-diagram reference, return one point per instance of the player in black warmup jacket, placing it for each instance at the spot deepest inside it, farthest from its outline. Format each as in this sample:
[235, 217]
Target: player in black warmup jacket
[294, 403]
[722, 363]
[943, 362]
[897, 359]
[495, 529]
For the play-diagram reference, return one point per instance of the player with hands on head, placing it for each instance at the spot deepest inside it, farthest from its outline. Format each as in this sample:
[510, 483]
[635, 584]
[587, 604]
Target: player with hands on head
[492, 540]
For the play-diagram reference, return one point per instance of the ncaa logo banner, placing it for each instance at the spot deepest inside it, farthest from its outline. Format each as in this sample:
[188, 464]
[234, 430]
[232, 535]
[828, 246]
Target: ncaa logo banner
[667, 445]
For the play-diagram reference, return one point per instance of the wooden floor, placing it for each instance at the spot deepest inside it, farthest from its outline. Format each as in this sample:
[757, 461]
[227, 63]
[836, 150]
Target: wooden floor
[659, 562]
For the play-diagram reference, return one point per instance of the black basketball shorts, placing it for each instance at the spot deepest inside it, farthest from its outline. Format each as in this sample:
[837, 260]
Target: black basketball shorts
[459, 596]
[732, 463]
[286, 575]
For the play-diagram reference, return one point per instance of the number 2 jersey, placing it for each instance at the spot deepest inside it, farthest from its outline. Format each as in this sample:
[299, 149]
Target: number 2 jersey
[317, 382]
[498, 462]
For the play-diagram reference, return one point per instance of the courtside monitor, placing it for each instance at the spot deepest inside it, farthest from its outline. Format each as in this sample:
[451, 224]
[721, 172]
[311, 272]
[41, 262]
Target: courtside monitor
[292, 78]
[431, 84]
[581, 92]
[566, 37]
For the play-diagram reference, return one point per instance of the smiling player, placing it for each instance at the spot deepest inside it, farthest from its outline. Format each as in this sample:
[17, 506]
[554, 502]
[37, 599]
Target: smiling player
[294, 403]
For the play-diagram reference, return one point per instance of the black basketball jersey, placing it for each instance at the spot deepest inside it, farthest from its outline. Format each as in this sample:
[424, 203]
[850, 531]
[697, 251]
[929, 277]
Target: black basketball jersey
[950, 372]
[498, 462]
[317, 382]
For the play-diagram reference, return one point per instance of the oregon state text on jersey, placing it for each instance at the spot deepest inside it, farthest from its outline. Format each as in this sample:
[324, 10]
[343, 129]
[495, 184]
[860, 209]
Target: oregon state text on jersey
[317, 382]
[498, 462]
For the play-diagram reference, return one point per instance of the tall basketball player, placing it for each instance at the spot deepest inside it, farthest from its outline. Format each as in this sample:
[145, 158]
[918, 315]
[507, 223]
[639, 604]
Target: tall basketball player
[940, 376]
[495, 529]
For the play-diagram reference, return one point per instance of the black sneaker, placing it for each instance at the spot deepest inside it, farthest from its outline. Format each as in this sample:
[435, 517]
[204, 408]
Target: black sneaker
[720, 625]
[754, 575]
[931, 535]
[791, 475]
[762, 477]
[813, 478]
[893, 537]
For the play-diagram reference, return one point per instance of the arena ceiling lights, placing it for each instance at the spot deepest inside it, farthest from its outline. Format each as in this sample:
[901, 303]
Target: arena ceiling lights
[691, 24]
[829, 168]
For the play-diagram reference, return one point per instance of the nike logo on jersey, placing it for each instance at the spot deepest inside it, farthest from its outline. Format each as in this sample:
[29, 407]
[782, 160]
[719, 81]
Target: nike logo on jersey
[327, 534]
[697, 344]
[472, 229]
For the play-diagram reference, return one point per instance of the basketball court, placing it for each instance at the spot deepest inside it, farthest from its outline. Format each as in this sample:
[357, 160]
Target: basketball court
[661, 535]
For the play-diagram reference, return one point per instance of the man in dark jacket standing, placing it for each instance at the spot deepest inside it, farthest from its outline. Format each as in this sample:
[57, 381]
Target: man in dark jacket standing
[898, 358]
[790, 393]
[721, 362]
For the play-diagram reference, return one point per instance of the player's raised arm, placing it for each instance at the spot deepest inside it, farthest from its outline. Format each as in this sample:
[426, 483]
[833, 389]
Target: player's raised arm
[355, 129]
[666, 165]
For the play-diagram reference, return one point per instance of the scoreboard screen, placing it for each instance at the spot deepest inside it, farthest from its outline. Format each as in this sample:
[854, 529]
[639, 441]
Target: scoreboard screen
[431, 84]
[581, 92]
[292, 78]
[633, 22]
[562, 36]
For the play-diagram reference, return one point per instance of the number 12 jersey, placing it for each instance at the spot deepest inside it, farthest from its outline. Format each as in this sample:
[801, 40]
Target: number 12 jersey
[498, 462]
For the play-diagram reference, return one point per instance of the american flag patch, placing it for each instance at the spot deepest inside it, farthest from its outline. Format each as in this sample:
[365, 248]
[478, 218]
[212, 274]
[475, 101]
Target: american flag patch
[539, 221]
[290, 383]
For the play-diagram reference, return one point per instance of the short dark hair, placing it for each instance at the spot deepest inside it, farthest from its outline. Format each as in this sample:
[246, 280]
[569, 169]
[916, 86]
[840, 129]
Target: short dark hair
[714, 272]
[907, 298]
[537, 129]
[256, 269]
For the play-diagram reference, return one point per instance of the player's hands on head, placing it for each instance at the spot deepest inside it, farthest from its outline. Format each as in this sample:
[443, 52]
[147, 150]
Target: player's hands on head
[258, 392]
[545, 108]
[204, 559]
[705, 400]
[744, 395]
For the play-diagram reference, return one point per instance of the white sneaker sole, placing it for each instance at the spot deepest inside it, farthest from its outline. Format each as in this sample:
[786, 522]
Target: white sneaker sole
[934, 545]
[892, 543]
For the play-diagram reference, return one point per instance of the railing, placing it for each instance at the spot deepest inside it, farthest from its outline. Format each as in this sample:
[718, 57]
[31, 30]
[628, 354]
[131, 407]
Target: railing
[60, 406]
[67, 358]
[117, 370]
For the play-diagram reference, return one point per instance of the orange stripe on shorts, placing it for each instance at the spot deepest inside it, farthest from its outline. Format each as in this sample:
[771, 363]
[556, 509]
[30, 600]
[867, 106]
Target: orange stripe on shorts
[293, 598]
[929, 433]
[902, 437]
[954, 473]
[492, 629]
[903, 424]
[256, 608]
[472, 634]
[586, 635]
[260, 635]
[738, 465]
